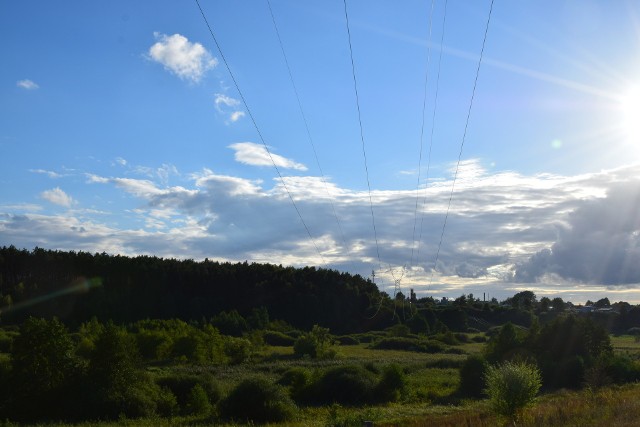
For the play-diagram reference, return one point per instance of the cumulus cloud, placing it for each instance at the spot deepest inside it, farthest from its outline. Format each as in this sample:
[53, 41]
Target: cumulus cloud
[506, 231]
[598, 243]
[187, 60]
[58, 197]
[27, 84]
[254, 154]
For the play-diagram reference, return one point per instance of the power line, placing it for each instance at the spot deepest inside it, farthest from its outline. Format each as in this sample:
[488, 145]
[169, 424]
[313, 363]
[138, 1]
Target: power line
[364, 152]
[255, 124]
[433, 124]
[424, 107]
[464, 136]
[306, 124]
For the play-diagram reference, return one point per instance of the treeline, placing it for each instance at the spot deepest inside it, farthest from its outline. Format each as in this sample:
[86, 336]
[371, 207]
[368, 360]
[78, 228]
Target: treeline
[76, 286]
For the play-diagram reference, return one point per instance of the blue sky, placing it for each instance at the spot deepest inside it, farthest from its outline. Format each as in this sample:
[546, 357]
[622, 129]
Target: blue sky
[122, 131]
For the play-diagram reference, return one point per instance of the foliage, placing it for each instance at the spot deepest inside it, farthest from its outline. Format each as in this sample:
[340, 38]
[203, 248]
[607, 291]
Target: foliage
[512, 386]
[128, 289]
[43, 370]
[238, 350]
[566, 347]
[346, 385]
[472, 376]
[277, 339]
[505, 344]
[198, 402]
[409, 344]
[315, 344]
[230, 323]
[392, 384]
[257, 400]
[182, 386]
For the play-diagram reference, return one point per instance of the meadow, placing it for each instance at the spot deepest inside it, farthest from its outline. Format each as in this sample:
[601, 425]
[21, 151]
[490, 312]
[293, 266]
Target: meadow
[430, 397]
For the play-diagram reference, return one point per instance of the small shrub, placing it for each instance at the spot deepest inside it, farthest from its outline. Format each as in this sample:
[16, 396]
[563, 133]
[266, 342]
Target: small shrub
[259, 401]
[198, 402]
[512, 386]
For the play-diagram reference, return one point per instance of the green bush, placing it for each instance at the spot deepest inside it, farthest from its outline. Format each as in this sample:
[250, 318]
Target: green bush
[409, 344]
[198, 402]
[297, 380]
[392, 384]
[238, 350]
[346, 385]
[472, 376]
[347, 340]
[259, 401]
[511, 386]
[277, 339]
[181, 385]
[314, 344]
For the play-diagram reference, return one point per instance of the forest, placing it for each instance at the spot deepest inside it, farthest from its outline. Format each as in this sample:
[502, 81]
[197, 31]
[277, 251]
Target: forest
[90, 339]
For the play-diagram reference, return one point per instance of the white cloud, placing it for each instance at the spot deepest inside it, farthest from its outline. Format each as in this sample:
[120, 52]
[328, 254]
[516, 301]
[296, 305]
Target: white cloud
[121, 161]
[222, 99]
[50, 174]
[236, 115]
[58, 197]
[228, 106]
[498, 229]
[27, 84]
[187, 60]
[253, 154]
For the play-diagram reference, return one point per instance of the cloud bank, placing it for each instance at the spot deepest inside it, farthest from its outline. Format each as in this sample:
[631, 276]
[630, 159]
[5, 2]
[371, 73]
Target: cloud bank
[506, 231]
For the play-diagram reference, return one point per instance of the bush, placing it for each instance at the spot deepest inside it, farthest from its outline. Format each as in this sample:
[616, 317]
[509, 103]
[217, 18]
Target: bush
[409, 344]
[314, 344]
[238, 350]
[297, 379]
[512, 386]
[277, 339]
[259, 401]
[347, 385]
[472, 376]
[347, 340]
[392, 384]
[181, 386]
[198, 402]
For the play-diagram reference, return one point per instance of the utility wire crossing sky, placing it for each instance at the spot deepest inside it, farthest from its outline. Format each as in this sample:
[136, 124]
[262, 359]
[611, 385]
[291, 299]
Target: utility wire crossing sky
[130, 130]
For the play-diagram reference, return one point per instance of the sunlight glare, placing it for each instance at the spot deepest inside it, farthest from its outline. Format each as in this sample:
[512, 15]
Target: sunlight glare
[631, 114]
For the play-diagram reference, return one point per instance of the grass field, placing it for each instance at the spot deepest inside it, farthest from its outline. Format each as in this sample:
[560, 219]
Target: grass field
[430, 400]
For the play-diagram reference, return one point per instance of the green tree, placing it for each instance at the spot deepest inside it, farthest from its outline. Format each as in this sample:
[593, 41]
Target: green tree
[43, 369]
[558, 304]
[42, 356]
[511, 386]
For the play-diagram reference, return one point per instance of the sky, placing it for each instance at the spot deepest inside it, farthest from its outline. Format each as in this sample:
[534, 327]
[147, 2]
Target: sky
[124, 129]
